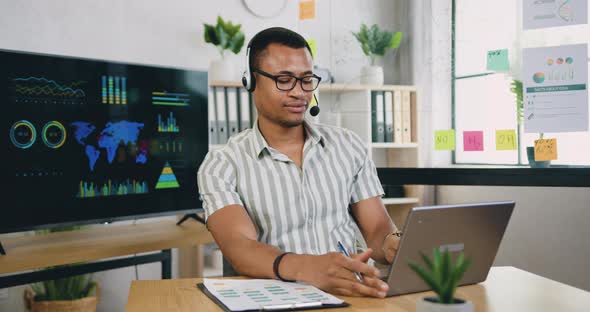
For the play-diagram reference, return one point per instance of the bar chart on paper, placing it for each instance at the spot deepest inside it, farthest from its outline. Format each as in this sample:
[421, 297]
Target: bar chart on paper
[240, 295]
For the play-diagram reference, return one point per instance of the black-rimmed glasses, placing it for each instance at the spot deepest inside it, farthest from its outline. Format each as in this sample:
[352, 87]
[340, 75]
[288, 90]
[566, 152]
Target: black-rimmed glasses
[288, 82]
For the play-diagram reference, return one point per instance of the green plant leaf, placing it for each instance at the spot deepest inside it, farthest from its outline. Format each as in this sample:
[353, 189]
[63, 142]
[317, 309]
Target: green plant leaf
[436, 263]
[237, 42]
[362, 38]
[425, 276]
[396, 40]
[225, 36]
[210, 35]
[232, 29]
[220, 21]
[381, 42]
[222, 35]
[427, 261]
[517, 89]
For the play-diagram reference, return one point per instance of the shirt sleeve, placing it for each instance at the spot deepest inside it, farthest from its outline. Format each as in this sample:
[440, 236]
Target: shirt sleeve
[216, 180]
[366, 183]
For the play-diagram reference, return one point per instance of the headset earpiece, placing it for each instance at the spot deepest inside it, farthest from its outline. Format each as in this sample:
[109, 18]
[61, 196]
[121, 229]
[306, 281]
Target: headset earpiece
[248, 80]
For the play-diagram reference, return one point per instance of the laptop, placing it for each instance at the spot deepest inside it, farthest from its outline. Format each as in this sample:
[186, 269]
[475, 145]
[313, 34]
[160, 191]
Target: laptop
[476, 229]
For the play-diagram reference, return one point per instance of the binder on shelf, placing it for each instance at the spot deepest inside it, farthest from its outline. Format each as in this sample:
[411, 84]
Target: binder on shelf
[373, 116]
[220, 104]
[388, 102]
[232, 111]
[406, 118]
[244, 109]
[212, 118]
[380, 117]
[397, 117]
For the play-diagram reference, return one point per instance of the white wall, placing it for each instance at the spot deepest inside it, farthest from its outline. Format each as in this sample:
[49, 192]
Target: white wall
[171, 34]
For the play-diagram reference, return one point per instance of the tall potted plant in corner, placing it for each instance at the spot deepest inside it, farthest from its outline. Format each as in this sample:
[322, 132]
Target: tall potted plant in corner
[442, 275]
[75, 293]
[517, 89]
[375, 43]
[226, 37]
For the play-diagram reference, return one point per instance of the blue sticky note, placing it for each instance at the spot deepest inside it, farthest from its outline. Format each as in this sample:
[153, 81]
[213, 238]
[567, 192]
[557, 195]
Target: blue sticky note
[497, 60]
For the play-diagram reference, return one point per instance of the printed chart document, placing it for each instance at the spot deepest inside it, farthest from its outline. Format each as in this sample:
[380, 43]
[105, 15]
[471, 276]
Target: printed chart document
[553, 13]
[555, 83]
[267, 294]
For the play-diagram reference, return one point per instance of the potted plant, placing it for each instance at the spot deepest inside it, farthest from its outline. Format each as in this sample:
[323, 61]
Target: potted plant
[226, 37]
[375, 43]
[517, 89]
[75, 293]
[65, 294]
[442, 275]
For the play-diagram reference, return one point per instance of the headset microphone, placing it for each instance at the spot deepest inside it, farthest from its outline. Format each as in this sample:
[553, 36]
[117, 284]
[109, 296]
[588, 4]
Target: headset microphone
[315, 110]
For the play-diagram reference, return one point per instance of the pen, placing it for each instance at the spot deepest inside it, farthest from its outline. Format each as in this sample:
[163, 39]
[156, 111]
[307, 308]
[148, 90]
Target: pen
[359, 277]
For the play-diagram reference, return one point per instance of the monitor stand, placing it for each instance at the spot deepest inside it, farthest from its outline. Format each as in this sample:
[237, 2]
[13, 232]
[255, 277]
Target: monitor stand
[2, 252]
[190, 216]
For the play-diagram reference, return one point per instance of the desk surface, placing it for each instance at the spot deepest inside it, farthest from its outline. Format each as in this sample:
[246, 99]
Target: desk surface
[39, 251]
[506, 289]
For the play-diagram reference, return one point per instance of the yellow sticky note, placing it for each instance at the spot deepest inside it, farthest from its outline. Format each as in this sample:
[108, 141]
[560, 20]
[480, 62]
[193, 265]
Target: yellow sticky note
[444, 140]
[545, 149]
[312, 46]
[506, 140]
[306, 9]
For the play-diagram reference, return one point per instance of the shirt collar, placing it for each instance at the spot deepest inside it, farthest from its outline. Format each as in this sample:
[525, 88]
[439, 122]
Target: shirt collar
[259, 143]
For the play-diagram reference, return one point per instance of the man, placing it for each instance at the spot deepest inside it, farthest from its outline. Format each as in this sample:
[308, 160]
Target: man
[277, 196]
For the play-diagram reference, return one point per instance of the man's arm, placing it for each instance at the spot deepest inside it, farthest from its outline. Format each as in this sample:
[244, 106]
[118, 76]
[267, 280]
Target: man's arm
[235, 234]
[375, 224]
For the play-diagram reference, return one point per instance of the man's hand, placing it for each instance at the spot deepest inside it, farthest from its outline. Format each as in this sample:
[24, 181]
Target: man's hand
[390, 246]
[334, 273]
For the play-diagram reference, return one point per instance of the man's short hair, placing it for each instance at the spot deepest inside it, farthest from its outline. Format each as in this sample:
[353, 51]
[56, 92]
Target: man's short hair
[279, 35]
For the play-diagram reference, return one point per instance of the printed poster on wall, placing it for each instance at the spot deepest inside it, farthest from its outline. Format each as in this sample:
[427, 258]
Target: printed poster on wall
[555, 83]
[553, 13]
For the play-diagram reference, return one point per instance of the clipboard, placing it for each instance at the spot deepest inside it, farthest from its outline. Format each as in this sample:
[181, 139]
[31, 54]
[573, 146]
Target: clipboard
[285, 307]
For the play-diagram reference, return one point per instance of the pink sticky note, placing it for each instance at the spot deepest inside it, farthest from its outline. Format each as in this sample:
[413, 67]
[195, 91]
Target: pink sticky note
[472, 141]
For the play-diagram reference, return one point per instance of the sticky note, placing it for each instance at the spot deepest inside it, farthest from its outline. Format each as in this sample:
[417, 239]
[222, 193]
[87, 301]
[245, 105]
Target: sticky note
[506, 140]
[444, 140]
[497, 60]
[312, 46]
[472, 141]
[545, 149]
[306, 9]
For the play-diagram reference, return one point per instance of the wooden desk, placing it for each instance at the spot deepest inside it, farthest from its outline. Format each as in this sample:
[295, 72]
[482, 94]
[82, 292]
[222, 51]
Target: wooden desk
[59, 248]
[39, 251]
[506, 289]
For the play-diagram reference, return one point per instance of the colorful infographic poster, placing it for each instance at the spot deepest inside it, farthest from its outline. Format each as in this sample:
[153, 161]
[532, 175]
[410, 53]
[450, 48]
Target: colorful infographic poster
[553, 13]
[555, 83]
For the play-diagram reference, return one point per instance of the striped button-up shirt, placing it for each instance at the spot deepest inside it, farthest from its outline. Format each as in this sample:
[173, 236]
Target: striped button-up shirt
[300, 210]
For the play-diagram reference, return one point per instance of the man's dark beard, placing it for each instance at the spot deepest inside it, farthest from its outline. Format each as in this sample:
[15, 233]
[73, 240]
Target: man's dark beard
[290, 124]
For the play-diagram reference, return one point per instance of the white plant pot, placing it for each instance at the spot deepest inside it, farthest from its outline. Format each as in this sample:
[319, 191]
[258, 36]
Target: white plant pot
[372, 75]
[222, 70]
[427, 306]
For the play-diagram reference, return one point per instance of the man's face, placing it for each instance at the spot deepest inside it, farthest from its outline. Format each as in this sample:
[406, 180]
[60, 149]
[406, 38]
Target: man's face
[285, 108]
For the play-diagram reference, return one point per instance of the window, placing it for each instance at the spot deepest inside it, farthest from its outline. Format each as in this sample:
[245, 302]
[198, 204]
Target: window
[482, 100]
